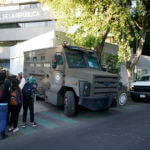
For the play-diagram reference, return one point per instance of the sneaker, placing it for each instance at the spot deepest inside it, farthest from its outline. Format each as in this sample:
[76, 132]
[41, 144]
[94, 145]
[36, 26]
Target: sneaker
[24, 125]
[10, 129]
[16, 129]
[33, 124]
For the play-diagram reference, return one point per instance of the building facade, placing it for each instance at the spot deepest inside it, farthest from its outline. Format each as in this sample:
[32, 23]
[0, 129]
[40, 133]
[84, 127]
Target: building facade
[21, 20]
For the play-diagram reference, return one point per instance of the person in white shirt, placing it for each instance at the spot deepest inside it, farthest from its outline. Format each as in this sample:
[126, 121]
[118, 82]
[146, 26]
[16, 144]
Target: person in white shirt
[22, 81]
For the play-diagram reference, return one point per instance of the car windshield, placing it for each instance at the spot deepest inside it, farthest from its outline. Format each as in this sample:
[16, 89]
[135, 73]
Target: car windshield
[145, 78]
[76, 59]
[92, 62]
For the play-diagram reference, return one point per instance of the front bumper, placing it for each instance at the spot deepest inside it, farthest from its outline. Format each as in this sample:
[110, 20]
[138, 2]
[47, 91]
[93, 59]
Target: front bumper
[140, 95]
[98, 103]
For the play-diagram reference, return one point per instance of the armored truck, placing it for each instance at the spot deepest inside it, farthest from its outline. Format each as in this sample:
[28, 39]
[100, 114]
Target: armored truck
[75, 78]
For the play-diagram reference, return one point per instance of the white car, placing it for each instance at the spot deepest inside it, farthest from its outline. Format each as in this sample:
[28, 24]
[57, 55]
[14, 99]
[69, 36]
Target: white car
[140, 90]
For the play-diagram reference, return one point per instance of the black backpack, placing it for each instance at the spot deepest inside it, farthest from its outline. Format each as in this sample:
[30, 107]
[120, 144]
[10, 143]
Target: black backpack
[27, 90]
[2, 92]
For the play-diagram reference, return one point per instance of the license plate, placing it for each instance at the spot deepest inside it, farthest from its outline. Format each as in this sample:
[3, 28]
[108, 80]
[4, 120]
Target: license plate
[142, 96]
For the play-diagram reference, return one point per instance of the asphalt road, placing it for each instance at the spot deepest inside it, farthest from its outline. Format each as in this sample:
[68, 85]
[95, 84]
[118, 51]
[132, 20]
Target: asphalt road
[125, 128]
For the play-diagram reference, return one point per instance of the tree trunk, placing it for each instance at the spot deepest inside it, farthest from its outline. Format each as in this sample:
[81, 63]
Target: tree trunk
[139, 49]
[130, 76]
[131, 64]
[100, 45]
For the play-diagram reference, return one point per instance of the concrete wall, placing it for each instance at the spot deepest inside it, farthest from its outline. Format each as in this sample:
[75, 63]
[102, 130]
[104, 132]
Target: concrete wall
[22, 34]
[4, 57]
[4, 53]
[110, 49]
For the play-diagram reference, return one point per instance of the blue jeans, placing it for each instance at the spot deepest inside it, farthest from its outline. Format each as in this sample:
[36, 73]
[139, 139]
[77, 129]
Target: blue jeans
[3, 117]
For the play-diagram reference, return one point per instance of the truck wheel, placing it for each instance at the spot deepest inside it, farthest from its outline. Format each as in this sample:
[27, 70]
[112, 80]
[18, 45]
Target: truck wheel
[122, 99]
[70, 104]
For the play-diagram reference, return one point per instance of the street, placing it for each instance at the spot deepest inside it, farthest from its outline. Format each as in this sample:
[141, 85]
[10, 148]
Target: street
[122, 128]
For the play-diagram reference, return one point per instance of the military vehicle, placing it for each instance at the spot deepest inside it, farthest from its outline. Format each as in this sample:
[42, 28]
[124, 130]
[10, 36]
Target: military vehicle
[75, 78]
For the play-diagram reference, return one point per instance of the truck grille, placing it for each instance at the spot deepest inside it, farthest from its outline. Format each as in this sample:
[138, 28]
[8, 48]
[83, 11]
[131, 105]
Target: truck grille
[142, 88]
[104, 85]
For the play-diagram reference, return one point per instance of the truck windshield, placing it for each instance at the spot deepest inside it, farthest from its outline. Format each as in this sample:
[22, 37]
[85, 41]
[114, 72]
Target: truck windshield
[76, 60]
[92, 62]
[80, 59]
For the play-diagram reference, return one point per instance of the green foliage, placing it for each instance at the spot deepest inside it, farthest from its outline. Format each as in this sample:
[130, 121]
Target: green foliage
[92, 18]
[89, 18]
[112, 64]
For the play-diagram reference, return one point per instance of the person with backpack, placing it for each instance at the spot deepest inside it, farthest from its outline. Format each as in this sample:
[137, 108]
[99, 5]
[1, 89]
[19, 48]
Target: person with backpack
[4, 100]
[28, 101]
[15, 103]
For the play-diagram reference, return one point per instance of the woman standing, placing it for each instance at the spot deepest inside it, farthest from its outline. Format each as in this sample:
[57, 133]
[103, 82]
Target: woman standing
[16, 103]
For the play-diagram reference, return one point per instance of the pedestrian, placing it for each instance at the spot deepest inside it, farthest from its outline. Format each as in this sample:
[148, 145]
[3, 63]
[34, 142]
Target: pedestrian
[4, 91]
[15, 103]
[18, 77]
[22, 81]
[28, 101]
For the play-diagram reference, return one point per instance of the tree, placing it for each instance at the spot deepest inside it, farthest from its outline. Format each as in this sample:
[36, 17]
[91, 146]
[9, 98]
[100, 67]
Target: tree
[92, 20]
[132, 26]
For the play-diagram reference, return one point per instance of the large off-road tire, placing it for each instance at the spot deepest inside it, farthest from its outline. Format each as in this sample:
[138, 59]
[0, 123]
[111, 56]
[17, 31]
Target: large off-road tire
[70, 104]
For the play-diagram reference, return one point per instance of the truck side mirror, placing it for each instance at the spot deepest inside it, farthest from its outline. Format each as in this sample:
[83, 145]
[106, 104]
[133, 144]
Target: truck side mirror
[103, 68]
[54, 62]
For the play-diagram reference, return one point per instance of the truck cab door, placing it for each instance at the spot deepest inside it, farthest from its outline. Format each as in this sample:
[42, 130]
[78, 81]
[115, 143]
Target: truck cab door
[57, 73]
[58, 62]
[58, 70]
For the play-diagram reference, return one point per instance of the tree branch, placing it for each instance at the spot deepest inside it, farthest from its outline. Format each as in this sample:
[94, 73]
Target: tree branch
[138, 25]
[140, 47]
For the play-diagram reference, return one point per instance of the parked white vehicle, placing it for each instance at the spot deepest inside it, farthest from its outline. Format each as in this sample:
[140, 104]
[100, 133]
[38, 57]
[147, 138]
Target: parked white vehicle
[140, 90]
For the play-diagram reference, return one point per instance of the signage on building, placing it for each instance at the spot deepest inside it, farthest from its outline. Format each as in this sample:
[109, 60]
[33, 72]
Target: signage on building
[18, 15]
[17, 1]
[24, 16]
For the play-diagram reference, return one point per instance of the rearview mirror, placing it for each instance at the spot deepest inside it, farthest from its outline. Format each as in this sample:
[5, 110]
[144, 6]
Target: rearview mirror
[103, 68]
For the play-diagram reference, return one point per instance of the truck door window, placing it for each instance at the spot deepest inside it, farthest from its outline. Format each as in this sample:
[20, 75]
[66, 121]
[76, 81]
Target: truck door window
[34, 59]
[27, 59]
[42, 58]
[59, 60]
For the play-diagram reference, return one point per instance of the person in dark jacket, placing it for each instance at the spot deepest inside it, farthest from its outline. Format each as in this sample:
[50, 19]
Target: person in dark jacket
[4, 100]
[28, 101]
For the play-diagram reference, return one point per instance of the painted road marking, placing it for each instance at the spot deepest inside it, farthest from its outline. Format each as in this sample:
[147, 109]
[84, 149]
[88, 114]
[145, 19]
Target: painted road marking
[45, 123]
[27, 130]
[59, 117]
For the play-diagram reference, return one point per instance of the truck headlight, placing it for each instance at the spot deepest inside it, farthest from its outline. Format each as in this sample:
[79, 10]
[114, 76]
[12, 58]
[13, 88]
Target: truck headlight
[84, 88]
